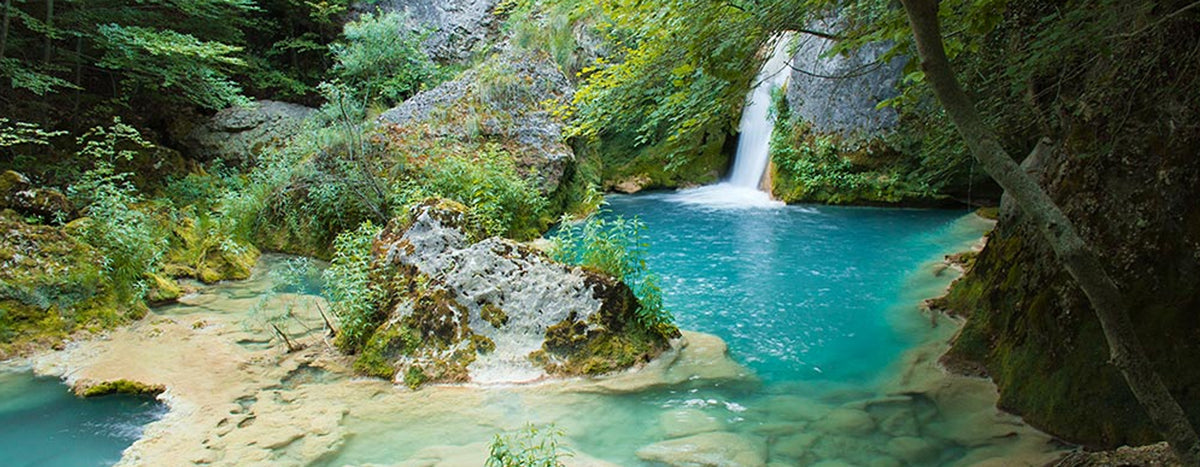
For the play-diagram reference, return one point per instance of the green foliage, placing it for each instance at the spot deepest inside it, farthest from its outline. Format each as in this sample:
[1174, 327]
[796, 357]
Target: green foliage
[810, 167]
[529, 447]
[165, 61]
[615, 245]
[678, 73]
[353, 297]
[500, 200]
[380, 58]
[16, 133]
[127, 237]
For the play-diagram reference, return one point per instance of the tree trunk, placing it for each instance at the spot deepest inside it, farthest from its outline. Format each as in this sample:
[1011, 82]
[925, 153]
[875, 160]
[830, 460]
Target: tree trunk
[4, 27]
[49, 31]
[1111, 307]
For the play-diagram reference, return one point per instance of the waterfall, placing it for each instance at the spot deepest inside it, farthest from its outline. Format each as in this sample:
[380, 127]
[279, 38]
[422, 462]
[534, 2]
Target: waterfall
[742, 189]
[753, 149]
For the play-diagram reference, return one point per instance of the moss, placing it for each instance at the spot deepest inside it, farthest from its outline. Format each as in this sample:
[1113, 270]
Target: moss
[414, 377]
[120, 386]
[483, 344]
[200, 250]
[162, 289]
[493, 315]
[384, 346]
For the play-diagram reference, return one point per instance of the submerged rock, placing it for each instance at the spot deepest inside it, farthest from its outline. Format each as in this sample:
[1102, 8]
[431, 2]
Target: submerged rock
[718, 449]
[494, 310]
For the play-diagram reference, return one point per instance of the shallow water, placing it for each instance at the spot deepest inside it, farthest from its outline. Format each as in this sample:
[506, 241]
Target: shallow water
[820, 302]
[43, 424]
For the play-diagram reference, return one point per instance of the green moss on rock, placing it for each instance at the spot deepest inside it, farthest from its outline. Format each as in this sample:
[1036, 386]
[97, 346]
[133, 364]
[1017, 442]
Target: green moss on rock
[120, 386]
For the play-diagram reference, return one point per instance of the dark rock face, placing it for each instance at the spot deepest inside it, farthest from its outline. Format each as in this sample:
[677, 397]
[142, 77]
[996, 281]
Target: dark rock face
[1033, 331]
[457, 28]
[238, 134]
[839, 94]
[493, 310]
[19, 194]
[509, 99]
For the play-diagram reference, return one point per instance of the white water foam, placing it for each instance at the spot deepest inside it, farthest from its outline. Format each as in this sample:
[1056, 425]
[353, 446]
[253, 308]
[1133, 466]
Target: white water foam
[726, 196]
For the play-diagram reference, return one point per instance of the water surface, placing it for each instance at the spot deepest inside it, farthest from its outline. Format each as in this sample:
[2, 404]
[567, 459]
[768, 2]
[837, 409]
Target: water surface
[43, 424]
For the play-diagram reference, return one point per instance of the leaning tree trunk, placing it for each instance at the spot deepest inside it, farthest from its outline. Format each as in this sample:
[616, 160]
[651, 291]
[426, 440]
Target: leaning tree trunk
[1080, 261]
[4, 28]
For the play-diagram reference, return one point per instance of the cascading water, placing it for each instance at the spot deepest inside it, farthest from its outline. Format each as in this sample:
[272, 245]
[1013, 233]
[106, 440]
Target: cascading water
[742, 189]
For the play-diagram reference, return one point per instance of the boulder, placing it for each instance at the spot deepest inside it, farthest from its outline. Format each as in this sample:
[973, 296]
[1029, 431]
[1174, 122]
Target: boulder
[46, 204]
[237, 135]
[493, 310]
[846, 421]
[717, 449]
[508, 99]
[685, 422]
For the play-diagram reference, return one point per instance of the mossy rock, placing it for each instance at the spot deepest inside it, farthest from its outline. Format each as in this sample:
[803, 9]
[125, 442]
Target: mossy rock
[51, 285]
[120, 386]
[48, 206]
[162, 290]
[206, 255]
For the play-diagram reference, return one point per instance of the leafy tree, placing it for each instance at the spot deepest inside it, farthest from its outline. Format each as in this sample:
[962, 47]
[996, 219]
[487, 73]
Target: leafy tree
[381, 59]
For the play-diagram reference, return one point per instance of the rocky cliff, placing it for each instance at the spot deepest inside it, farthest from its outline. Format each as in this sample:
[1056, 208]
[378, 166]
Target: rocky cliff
[457, 28]
[1125, 172]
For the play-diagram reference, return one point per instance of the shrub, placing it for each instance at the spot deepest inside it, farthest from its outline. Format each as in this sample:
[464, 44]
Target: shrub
[501, 201]
[381, 57]
[352, 296]
[126, 237]
[615, 245]
[529, 447]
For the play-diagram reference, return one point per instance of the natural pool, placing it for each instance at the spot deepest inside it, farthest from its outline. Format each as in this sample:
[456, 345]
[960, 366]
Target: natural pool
[822, 303]
[43, 424]
[819, 304]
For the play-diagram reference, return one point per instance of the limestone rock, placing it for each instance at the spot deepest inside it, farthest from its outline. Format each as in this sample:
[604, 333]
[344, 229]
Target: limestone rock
[833, 102]
[846, 421]
[239, 134]
[557, 319]
[457, 28]
[913, 450]
[695, 358]
[717, 449]
[795, 445]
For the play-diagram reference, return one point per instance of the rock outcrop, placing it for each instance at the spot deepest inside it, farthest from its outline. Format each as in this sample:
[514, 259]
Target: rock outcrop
[239, 134]
[457, 28]
[1032, 329]
[493, 311]
[509, 100]
[840, 93]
